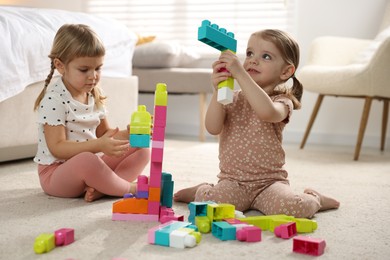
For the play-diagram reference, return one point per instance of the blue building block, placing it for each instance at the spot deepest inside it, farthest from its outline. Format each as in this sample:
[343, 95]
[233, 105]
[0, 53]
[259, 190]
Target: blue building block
[216, 37]
[166, 190]
[162, 235]
[197, 209]
[142, 141]
[223, 231]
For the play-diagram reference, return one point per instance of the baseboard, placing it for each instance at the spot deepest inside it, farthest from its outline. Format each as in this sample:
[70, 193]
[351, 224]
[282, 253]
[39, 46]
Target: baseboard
[290, 136]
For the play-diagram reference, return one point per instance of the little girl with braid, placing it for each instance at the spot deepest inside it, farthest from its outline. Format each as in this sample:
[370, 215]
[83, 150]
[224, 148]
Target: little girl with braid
[78, 153]
[252, 174]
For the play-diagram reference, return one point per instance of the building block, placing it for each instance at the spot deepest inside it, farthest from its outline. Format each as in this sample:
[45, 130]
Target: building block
[225, 95]
[157, 144]
[161, 95]
[286, 230]
[154, 194]
[222, 40]
[216, 37]
[141, 141]
[182, 238]
[197, 209]
[162, 234]
[154, 207]
[160, 113]
[158, 133]
[134, 217]
[141, 121]
[64, 236]
[166, 190]
[157, 155]
[308, 245]
[223, 231]
[203, 224]
[44, 243]
[131, 205]
[142, 183]
[142, 194]
[249, 234]
[218, 212]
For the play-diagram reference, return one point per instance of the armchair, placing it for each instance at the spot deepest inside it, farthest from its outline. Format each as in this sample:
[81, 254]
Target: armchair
[346, 67]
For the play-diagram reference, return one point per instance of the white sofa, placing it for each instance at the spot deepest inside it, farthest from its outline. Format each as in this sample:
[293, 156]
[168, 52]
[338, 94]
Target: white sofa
[19, 131]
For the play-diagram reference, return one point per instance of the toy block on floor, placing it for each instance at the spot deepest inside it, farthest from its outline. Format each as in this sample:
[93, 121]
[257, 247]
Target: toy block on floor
[44, 243]
[223, 230]
[308, 245]
[64, 236]
[218, 212]
[249, 234]
[131, 205]
[162, 234]
[286, 231]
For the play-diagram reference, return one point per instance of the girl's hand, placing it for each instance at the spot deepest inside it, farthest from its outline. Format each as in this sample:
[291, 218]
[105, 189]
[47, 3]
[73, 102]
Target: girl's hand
[220, 73]
[111, 146]
[232, 63]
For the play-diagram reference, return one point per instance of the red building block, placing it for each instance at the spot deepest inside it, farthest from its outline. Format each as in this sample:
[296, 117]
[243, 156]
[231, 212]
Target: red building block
[308, 245]
[286, 230]
[64, 236]
[249, 234]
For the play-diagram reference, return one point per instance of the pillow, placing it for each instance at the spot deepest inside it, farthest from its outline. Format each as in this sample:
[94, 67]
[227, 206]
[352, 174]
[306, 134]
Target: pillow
[145, 39]
[365, 56]
[161, 54]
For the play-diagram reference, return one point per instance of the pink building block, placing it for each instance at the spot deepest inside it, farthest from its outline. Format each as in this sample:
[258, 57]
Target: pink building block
[158, 144]
[142, 183]
[154, 207]
[158, 133]
[135, 217]
[308, 245]
[157, 155]
[233, 221]
[249, 234]
[64, 236]
[160, 116]
[155, 174]
[286, 230]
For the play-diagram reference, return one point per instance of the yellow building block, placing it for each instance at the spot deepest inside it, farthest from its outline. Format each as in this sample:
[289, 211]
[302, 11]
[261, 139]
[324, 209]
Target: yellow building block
[141, 121]
[44, 243]
[161, 95]
[218, 212]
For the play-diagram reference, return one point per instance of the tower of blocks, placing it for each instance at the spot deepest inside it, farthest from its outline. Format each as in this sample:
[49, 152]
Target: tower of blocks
[222, 40]
[153, 200]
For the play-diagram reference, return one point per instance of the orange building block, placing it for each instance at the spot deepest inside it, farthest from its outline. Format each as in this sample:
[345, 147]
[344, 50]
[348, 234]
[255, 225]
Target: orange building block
[131, 205]
[154, 194]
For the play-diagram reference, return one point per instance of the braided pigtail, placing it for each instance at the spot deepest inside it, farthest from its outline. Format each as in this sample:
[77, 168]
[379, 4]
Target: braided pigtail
[47, 82]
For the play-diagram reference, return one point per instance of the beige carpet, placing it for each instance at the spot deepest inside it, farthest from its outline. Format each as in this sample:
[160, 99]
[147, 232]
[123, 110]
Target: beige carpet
[358, 230]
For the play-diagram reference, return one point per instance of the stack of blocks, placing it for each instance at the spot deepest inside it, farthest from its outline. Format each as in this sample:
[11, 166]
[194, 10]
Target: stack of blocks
[222, 40]
[153, 200]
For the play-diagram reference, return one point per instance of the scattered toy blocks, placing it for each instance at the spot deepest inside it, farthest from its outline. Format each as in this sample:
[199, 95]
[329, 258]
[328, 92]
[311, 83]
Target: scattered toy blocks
[249, 234]
[223, 231]
[308, 245]
[64, 236]
[46, 242]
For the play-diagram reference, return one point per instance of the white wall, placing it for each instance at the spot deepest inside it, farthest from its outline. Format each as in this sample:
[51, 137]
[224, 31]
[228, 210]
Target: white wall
[339, 118]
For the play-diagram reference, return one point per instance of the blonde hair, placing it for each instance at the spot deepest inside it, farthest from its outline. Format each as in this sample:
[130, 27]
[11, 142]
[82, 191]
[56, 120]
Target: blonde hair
[289, 49]
[73, 41]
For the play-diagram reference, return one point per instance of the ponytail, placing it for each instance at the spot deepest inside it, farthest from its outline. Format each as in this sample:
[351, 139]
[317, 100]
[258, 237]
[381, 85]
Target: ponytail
[296, 92]
[47, 82]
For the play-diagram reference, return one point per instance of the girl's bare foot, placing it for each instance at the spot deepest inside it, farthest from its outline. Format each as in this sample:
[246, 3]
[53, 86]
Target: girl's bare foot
[91, 194]
[326, 202]
[187, 195]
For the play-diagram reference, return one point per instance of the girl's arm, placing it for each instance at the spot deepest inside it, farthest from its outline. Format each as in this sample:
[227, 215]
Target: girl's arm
[65, 149]
[215, 115]
[259, 100]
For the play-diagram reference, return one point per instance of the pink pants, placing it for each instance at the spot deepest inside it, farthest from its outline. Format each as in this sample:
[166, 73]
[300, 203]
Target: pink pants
[108, 175]
[277, 198]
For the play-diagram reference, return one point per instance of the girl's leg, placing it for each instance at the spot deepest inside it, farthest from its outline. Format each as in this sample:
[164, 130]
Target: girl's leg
[225, 192]
[280, 199]
[130, 165]
[71, 178]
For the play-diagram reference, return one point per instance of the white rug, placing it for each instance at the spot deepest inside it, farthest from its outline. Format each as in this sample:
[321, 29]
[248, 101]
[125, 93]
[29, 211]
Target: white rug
[358, 230]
